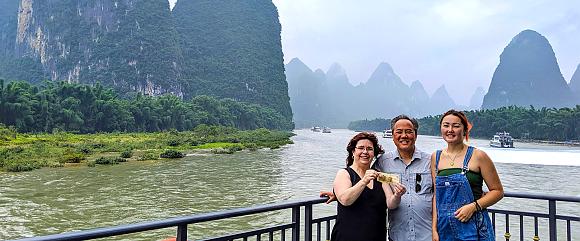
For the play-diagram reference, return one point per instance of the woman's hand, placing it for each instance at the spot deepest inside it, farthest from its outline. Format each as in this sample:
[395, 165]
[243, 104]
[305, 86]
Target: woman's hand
[464, 213]
[369, 176]
[435, 235]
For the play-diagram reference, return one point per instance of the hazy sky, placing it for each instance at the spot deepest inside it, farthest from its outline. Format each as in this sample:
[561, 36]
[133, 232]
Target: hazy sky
[451, 42]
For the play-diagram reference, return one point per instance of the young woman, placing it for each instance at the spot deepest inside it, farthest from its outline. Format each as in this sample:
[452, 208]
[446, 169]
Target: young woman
[362, 200]
[459, 207]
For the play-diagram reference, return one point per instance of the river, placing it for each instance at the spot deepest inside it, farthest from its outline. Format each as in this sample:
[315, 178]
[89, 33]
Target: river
[55, 200]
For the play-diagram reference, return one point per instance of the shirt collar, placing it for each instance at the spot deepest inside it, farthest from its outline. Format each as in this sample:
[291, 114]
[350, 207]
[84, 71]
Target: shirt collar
[416, 154]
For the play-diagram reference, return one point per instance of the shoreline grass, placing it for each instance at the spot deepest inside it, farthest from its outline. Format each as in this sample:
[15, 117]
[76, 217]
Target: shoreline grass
[26, 152]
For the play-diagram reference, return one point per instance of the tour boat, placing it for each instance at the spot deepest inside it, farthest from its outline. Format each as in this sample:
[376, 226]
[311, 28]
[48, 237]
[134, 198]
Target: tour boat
[502, 140]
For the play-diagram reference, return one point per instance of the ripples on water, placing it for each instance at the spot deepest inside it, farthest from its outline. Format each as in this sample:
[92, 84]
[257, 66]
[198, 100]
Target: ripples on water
[58, 200]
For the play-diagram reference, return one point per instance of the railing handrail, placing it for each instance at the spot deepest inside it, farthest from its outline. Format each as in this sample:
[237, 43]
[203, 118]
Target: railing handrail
[204, 217]
[173, 222]
[548, 197]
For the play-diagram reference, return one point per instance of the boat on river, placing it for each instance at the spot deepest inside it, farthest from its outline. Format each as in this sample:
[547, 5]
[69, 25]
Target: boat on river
[388, 133]
[502, 140]
[315, 129]
[326, 130]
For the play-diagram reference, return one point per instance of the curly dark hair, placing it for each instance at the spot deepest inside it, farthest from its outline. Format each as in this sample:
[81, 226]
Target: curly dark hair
[362, 136]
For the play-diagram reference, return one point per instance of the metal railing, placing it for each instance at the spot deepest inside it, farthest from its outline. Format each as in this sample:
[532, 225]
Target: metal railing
[552, 216]
[313, 227]
[181, 224]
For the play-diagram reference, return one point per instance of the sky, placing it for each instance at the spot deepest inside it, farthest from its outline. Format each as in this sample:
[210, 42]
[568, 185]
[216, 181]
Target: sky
[452, 42]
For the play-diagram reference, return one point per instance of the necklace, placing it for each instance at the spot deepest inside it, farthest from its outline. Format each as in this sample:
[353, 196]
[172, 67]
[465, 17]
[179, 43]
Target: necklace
[452, 162]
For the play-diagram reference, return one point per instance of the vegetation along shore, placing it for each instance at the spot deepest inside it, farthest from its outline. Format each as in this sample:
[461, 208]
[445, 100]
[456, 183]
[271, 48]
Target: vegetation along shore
[25, 152]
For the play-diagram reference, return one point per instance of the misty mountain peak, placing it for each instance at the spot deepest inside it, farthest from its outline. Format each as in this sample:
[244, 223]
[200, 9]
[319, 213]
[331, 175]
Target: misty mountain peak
[385, 75]
[416, 85]
[441, 91]
[336, 70]
[297, 65]
[477, 99]
[575, 82]
[319, 73]
[528, 74]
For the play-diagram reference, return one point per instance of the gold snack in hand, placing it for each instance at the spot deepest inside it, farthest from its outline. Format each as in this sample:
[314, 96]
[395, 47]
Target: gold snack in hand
[388, 177]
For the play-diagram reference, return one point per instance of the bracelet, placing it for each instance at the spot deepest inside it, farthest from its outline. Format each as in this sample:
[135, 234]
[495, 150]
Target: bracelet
[477, 207]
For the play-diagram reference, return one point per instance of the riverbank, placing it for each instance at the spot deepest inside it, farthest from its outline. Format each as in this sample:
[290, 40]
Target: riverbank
[25, 152]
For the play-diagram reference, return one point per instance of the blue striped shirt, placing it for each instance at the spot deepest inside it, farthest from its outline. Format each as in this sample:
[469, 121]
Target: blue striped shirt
[411, 221]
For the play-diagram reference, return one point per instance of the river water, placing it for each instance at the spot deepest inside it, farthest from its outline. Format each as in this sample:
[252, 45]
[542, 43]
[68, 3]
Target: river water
[49, 201]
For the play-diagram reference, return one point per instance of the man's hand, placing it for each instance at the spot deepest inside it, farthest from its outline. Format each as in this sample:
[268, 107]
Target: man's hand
[330, 195]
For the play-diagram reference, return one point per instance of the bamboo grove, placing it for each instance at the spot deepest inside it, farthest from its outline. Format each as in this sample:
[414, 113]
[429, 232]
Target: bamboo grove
[80, 108]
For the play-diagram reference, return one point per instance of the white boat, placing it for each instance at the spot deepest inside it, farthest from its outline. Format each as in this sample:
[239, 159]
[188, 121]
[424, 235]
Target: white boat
[387, 133]
[502, 140]
[315, 129]
[326, 130]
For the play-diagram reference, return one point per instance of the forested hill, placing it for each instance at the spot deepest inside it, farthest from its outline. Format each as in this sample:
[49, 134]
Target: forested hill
[8, 18]
[129, 45]
[227, 49]
[528, 74]
[232, 49]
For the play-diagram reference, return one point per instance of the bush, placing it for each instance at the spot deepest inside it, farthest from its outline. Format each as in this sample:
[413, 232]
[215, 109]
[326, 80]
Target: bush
[196, 142]
[127, 154]
[21, 167]
[109, 160]
[73, 157]
[7, 133]
[85, 149]
[148, 156]
[173, 142]
[171, 154]
[234, 148]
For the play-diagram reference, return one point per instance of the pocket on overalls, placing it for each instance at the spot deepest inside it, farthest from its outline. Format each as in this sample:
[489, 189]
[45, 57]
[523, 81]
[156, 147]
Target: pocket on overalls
[465, 231]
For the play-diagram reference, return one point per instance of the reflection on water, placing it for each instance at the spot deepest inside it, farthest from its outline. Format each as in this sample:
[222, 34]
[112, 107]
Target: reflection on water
[51, 201]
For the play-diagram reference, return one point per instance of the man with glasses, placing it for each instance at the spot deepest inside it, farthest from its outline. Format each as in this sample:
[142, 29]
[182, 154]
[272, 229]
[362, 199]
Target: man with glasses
[411, 221]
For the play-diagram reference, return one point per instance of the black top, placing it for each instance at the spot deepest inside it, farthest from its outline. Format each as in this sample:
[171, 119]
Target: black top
[365, 219]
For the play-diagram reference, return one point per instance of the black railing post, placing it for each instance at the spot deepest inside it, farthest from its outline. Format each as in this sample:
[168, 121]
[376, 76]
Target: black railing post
[296, 223]
[181, 232]
[308, 222]
[552, 218]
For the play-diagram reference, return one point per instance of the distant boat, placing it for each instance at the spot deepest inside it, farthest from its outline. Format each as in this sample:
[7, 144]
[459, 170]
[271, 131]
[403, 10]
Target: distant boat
[315, 128]
[326, 130]
[502, 140]
[388, 133]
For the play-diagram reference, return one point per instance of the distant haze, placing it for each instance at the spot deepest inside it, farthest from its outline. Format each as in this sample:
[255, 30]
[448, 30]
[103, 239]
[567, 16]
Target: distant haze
[454, 42]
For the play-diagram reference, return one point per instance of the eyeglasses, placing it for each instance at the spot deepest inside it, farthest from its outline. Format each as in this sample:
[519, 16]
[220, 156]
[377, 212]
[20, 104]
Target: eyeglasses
[417, 183]
[363, 148]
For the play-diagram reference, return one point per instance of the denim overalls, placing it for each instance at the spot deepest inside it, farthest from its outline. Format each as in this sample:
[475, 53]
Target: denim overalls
[453, 192]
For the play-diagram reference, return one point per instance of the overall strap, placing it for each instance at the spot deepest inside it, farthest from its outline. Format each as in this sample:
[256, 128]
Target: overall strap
[467, 158]
[437, 158]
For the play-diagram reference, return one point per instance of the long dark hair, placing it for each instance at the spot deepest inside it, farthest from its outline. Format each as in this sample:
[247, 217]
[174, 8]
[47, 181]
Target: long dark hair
[378, 149]
[466, 125]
